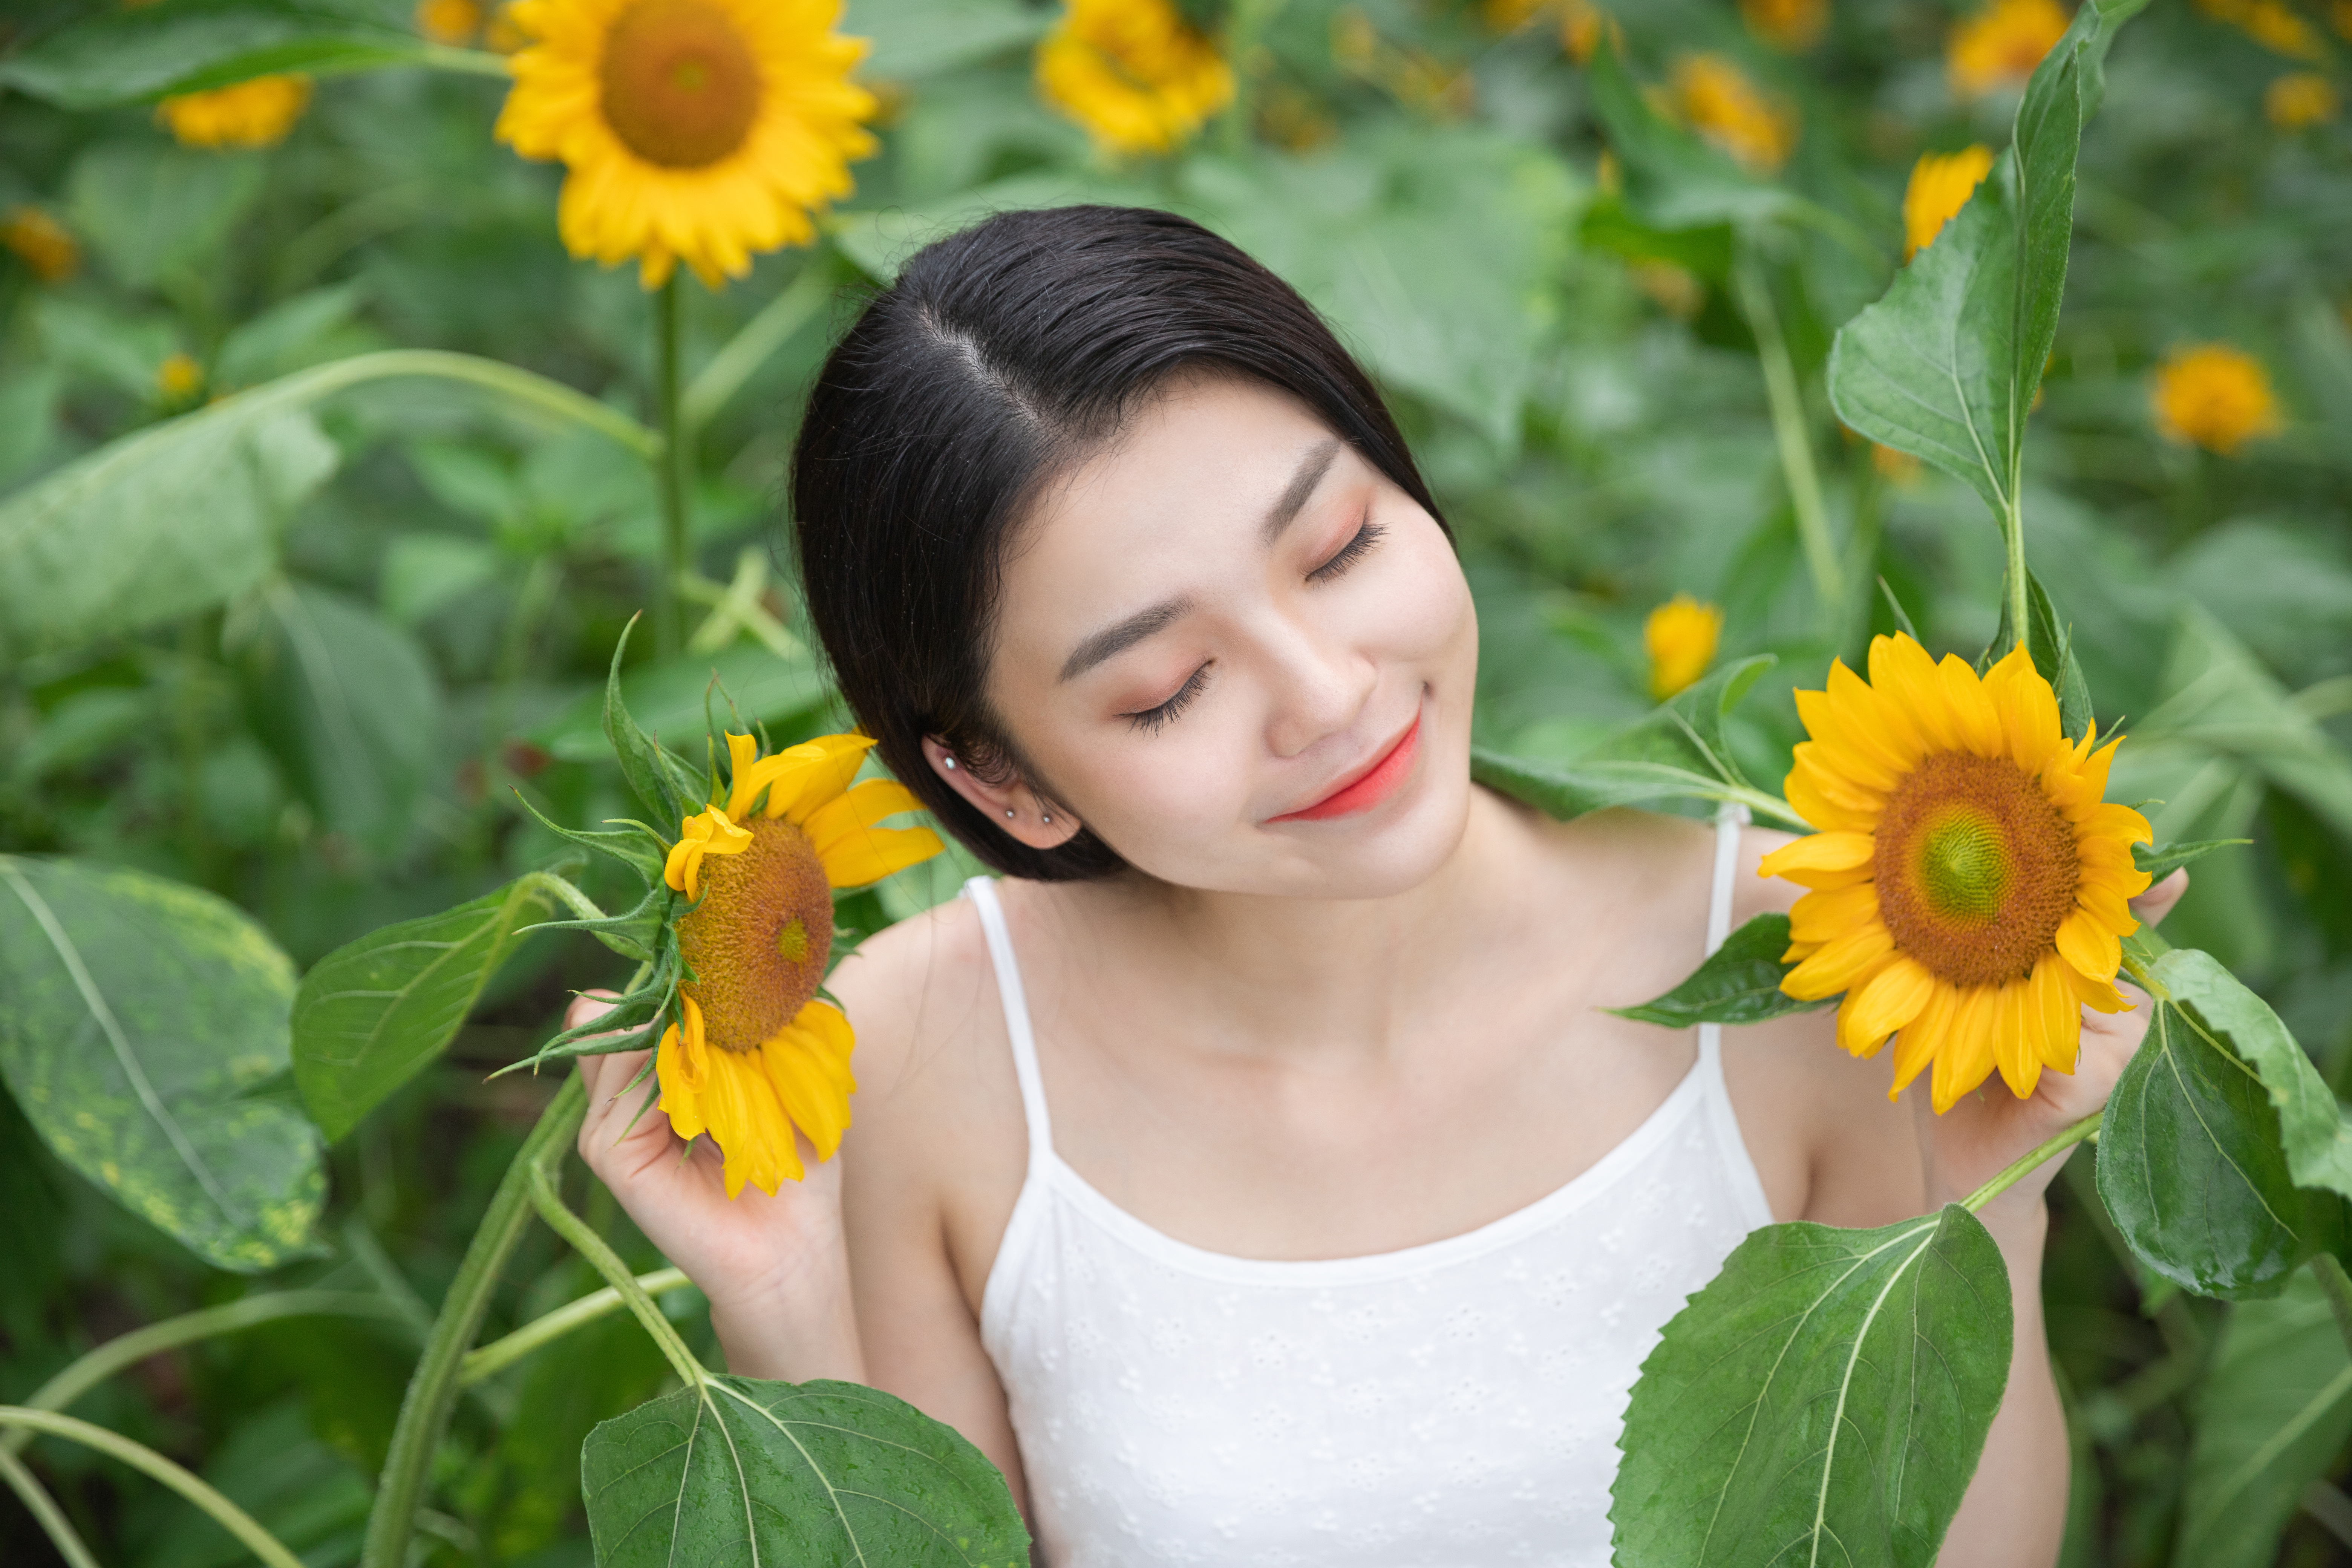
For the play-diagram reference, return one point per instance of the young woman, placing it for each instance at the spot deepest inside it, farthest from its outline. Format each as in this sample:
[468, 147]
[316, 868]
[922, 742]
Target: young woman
[1253, 1174]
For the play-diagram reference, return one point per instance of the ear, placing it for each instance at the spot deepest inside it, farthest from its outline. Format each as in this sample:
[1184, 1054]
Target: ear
[1019, 811]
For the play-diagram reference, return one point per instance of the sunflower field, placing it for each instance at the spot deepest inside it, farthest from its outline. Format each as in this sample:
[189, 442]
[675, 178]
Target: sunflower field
[393, 401]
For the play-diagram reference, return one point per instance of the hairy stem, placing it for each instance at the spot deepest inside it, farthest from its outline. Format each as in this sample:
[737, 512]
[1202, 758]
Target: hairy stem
[95, 1366]
[1790, 435]
[140, 1456]
[2330, 1274]
[669, 607]
[2012, 538]
[433, 1387]
[607, 1262]
[499, 1354]
[44, 1508]
[2031, 1158]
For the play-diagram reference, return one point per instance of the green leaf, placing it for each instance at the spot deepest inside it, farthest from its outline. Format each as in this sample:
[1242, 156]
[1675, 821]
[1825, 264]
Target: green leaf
[351, 707]
[126, 55]
[820, 1475]
[1674, 180]
[152, 210]
[2272, 1415]
[142, 1019]
[1945, 365]
[374, 1013]
[184, 515]
[1823, 1400]
[2160, 860]
[1738, 984]
[2191, 1164]
[2051, 648]
[915, 38]
[2222, 1012]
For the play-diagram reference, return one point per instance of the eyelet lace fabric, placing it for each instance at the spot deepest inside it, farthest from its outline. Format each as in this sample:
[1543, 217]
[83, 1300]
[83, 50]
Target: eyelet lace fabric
[1447, 1405]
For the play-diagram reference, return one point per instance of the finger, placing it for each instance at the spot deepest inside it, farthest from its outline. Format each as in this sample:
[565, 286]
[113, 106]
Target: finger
[2157, 902]
[589, 1007]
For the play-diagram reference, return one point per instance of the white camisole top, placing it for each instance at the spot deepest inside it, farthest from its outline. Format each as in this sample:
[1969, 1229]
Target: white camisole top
[1449, 1406]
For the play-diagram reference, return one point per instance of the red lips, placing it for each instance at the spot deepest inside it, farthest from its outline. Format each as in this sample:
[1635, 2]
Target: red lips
[1369, 788]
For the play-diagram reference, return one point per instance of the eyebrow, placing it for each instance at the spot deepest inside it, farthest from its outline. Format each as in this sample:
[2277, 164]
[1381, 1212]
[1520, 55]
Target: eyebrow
[1117, 639]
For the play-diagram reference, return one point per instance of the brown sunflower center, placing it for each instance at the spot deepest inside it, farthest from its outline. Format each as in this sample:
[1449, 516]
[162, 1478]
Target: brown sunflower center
[681, 87]
[1976, 867]
[756, 942]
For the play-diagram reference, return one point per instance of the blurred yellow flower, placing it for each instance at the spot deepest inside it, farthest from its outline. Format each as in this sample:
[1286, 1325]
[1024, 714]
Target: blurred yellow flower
[1941, 185]
[1680, 636]
[1673, 287]
[2341, 13]
[2300, 99]
[179, 378]
[1716, 99]
[450, 22]
[2276, 27]
[1786, 24]
[2215, 396]
[2001, 44]
[1582, 25]
[500, 34]
[693, 130]
[41, 243]
[1894, 466]
[255, 113]
[1135, 73]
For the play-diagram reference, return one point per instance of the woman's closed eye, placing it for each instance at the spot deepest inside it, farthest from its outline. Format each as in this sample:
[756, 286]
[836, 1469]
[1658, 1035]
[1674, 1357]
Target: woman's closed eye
[1151, 720]
[1359, 545]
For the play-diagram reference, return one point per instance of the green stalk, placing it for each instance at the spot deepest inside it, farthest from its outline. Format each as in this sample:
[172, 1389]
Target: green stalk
[2329, 1272]
[499, 1354]
[44, 1510]
[140, 1456]
[97, 1365]
[2086, 1128]
[606, 1262]
[433, 1387]
[1789, 434]
[2012, 586]
[677, 452]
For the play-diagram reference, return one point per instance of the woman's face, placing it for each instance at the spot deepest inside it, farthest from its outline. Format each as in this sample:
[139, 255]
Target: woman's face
[1240, 654]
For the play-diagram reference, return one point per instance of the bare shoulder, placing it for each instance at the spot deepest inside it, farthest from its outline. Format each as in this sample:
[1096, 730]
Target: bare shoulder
[1828, 1143]
[912, 991]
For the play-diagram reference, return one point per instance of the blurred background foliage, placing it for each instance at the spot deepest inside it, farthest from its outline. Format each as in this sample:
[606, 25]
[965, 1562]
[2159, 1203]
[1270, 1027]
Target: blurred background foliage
[346, 642]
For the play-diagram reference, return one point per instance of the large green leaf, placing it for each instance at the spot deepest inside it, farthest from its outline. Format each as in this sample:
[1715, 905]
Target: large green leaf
[125, 54]
[1738, 984]
[1945, 365]
[2192, 1164]
[139, 1021]
[351, 706]
[820, 1475]
[184, 515]
[1823, 1400]
[371, 1014]
[2272, 1415]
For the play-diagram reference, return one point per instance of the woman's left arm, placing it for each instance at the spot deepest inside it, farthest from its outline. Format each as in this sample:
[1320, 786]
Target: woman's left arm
[2014, 1515]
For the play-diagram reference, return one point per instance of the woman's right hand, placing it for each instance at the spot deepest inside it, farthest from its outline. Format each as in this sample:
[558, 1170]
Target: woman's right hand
[775, 1268]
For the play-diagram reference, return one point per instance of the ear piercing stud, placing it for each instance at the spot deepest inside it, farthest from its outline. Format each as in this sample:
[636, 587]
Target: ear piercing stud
[1046, 817]
[948, 763]
[1008, 814]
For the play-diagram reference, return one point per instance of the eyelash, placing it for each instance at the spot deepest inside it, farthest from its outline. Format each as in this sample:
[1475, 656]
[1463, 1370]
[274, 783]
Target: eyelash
[1151, 720]
[1355, 550]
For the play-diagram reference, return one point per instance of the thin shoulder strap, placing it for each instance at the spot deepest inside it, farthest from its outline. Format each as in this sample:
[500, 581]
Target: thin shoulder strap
[982, 891]
[1728, 818]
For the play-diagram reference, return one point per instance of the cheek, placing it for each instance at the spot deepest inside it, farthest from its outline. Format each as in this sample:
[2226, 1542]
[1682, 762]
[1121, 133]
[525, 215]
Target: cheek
[1422, 606]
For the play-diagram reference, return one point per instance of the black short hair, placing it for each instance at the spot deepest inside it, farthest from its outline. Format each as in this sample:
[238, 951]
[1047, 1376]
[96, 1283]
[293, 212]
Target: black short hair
[1002, 355]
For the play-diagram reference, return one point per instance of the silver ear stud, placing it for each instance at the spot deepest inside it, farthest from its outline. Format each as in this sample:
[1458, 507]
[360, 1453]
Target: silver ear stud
[948, 763]
[1046, 817]
[1008, 814]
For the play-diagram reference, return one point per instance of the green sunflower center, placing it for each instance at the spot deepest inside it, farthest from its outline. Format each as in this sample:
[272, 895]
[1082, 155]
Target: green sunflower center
[681, 88]
[1976, 866]
[758, 941]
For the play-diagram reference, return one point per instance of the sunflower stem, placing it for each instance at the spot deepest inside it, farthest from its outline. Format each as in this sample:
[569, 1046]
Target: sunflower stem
[2012, 538]
[140, 1456]
[45, 1512]
[433, 1387]
[1787, 404]
[606, 1262]
[2086, 1128]
[676, 451]
[499, 1354]
[2329, 1272]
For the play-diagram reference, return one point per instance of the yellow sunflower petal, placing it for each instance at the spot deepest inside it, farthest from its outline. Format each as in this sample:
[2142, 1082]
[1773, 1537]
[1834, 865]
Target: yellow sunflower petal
[1826, 917]
[2062, 1014]
[1972, 711]
[1818, 852]
[1888, 1001]
[1904, 680]
[2085, 942]
[708, 831]
[1964, 1058]
[821, 769]
[797, 1067]
[1819, 809]
[1916, 1043]
[748, 1124]
[2028, 710]
[2017, 1038]
[879, 852]
[1838, 965]
[2121, 822]
[1857, 751]
[2099, 995]
[2106, 905]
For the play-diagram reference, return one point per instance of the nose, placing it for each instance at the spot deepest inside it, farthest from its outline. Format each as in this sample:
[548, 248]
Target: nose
[1317, 684]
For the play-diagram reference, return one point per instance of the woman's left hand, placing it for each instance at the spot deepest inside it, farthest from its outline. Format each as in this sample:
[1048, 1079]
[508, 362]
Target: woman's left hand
[1978, 1138]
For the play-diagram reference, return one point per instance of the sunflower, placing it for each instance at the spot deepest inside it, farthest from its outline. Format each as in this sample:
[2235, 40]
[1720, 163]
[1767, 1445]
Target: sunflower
[1968, 883]
[2215, 396]
[2300, 100]
[1715, 98]
[2001, 44]
[1940, 185]
[1795, 24]
[1135, 73]
[753, 1053]
[1680, 637]
[41, 243]
[255, 114]
[693, 130]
